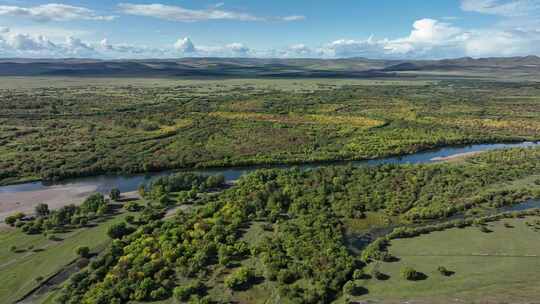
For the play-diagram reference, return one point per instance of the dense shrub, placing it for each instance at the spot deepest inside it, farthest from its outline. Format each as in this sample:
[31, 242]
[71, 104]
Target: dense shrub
[239, 279]
[353, 288]
[184, 292]
[114, 194]
[445, 272]
[42, 210]
[119, 230]
[83, 251]
[12, 219]
[305, 250]
[408, 273]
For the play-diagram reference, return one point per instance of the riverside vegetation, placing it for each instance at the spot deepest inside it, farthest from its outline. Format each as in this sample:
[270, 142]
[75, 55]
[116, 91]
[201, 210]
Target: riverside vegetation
[332, 234]
[287, 233]
[59, 132]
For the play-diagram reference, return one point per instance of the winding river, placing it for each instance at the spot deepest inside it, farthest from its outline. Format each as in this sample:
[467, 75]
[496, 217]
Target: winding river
[23, 197]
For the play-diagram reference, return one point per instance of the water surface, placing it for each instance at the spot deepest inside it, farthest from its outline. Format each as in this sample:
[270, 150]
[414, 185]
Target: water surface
[127, 183]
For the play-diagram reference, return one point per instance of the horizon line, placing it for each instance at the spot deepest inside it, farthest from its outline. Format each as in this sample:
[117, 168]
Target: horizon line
[272, 58]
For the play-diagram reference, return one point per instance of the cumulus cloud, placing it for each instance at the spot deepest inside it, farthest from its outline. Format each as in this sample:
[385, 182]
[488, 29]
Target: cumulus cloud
[25, 45]
[52, 12]
[502, 43]
[107, 49]
[427, 39]
[298, 50]
[237, 49]
[432, 39]
[353, 48]
[185, 45]
[105, 45]
[181, 14]
[432, 31]
[76, 47]
[24, 42]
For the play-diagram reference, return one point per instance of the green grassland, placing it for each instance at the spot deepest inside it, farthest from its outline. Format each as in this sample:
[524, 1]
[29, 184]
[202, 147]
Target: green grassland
[290, 236]
[297, 232]
[496, 267]
[37, 82]
[134, 125]
[45, 257]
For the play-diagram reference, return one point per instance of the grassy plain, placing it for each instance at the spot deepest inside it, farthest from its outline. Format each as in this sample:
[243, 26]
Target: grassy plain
[37, 82]
[45, 257]
[61, 127]
[496, 267]
[303, 221]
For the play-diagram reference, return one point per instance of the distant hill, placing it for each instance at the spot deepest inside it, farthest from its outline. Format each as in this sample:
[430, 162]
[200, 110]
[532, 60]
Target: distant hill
[252, 67]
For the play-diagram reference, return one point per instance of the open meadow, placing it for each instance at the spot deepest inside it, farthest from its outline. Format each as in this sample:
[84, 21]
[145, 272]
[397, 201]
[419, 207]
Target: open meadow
[27, 260]
[489, 267]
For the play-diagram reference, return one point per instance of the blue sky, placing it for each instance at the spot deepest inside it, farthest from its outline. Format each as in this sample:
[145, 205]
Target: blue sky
[278, 28]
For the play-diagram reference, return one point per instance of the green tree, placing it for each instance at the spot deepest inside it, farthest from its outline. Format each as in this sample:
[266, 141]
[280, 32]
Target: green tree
[12, 219]
[239, 279]
[358, 274]
[119, 230]
[114, 194]
[42, 210]
[408, 273]
[83, 251]
[353, 288]
[444, 271]
[183, 293]
[94, 203]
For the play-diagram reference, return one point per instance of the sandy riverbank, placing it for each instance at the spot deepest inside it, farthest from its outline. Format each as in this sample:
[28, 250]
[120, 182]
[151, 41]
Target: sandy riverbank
[56, 197]
[458, 156]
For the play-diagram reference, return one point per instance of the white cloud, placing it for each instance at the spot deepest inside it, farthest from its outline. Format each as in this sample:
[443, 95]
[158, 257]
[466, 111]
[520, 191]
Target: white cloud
[234, 49]
[354, 48]
[293, 18]
[181, 14]
[431, 39]
[25, 42]
[76, 47]
[508, 8]
[105, 45]
[503, 43]
[298, 50]
[27, 45]
[52, 32]
[122, 50]
[52, 12]
[184, 46]
[432, 32]
[177, 13]
[428, 39]
[237, 49]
